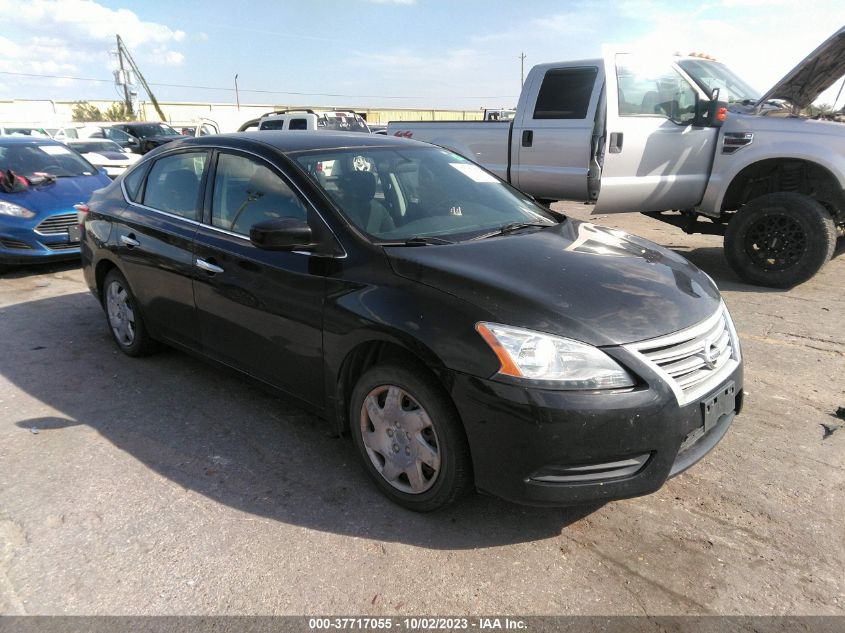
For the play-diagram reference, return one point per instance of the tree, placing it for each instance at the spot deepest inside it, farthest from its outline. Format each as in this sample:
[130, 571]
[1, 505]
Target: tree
[118, 111]
[83, 111]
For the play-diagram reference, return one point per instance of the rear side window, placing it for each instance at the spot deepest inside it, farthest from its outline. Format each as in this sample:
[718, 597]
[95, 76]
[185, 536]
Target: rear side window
[247, 191]
[298, 124]
[565, 93]
[132, 182]
[174, 184]
[273, 124]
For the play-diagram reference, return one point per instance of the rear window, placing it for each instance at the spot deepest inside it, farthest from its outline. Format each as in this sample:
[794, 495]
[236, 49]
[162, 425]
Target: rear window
[272, 124]
[132, 182]
[174, 184]
[565, 93]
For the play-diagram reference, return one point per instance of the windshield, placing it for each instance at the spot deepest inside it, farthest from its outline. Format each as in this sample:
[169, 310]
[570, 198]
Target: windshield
[153, 129]
[401, 193]
[94, 146]
[342, 123]
[709, 75]
[34, 160]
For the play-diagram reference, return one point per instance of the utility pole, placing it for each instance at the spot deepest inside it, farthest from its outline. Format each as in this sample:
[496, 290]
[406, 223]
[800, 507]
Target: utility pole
[123, 78]
[521, 70]
[237, 95]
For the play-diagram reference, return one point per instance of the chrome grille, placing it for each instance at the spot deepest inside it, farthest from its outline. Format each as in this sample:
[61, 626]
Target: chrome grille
[56, 224]
[694, 361]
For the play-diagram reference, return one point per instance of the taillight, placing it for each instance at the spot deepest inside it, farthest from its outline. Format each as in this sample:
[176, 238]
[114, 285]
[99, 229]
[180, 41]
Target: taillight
[82, 210]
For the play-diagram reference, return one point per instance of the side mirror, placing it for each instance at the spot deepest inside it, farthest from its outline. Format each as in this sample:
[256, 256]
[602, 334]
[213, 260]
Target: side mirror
[282, 234]
[710, 113]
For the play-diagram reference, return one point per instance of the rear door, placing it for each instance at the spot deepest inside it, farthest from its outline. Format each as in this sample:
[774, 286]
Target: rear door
[155, 241]
[654, 158]
[551, 139]
[260, 311]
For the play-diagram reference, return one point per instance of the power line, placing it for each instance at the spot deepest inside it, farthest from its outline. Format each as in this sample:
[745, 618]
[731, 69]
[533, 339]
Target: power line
[276, 92]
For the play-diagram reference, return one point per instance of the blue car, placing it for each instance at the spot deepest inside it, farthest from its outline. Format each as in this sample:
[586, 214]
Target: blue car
[40, 181]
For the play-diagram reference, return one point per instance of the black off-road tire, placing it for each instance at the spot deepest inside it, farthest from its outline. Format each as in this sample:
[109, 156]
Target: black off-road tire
[140, 343]
[454, 478]
[780, 240]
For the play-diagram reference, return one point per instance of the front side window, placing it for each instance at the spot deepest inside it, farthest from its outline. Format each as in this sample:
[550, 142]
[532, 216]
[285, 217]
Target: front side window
[565, 93]
[247, 191]
[653, 88]
[174, 184]
[396, 194]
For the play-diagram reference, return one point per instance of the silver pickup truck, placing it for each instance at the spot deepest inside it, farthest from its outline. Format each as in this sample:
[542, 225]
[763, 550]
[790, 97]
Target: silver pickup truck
[685, 140]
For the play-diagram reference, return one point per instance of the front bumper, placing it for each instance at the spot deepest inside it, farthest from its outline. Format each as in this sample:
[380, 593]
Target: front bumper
[546, 447]
[21, 243]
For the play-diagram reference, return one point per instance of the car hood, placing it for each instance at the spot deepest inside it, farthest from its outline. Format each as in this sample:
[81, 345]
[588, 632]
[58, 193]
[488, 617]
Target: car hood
[108, 156]
[589, 283]
[61, 194]
[815, 74]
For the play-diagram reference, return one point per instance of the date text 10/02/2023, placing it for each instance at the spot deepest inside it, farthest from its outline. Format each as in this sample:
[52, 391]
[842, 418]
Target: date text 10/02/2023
[416, 623]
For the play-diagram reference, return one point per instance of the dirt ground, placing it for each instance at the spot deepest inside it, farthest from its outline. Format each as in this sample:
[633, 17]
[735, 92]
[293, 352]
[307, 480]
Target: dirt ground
[168, 486]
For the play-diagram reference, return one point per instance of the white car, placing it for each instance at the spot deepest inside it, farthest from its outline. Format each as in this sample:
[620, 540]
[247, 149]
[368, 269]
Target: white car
[105, 154]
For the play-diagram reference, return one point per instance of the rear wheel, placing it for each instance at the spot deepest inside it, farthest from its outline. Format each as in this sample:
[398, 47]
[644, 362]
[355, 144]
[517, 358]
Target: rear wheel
[780, 240]
[409, 437]
[124, 318]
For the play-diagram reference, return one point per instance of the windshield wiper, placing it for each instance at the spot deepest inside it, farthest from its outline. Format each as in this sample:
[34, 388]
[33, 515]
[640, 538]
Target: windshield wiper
[510, 228]
[419, 241]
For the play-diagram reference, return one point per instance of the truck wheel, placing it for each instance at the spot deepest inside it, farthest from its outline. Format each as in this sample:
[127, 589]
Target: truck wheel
[780, 240]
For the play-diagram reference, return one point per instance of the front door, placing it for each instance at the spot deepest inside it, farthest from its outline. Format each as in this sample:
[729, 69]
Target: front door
[260, 311]
[654, 158]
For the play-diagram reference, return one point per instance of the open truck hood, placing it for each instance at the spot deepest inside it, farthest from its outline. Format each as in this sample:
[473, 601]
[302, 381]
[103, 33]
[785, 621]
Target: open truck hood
[815, 74]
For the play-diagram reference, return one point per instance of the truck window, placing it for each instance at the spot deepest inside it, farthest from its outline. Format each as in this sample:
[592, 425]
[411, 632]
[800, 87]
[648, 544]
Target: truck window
[565, 93]
[653, 88]
[272, 124]
[298, 124]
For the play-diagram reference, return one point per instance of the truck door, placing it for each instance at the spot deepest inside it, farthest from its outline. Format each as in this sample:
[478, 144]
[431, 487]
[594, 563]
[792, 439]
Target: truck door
[551, 139]
[654, 158]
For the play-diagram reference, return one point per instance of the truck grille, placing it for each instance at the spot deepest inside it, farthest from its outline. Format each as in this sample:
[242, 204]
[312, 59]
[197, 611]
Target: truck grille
[56, 224]
[694, 361]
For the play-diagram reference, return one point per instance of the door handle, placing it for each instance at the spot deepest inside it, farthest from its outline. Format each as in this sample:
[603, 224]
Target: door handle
[130, 240]
[616, 142]
[209, 267]
[527, 138]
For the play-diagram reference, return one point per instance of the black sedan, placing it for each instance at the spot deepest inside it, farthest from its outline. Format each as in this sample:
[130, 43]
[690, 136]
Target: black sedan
[462, 334]
[149, 135]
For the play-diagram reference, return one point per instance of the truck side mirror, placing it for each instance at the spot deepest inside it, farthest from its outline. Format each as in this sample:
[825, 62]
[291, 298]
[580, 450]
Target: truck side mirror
[710, 113]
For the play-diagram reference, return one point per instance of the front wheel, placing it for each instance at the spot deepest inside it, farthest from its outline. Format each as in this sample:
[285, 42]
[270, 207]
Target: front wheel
[780, 239]
[409, 437]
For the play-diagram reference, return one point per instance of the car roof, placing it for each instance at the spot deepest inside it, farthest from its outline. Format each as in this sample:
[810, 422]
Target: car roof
[301, 141]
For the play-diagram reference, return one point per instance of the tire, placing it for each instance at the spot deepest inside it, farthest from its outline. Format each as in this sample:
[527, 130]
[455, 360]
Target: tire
[124, 318]
[416, 453]
[780, 240]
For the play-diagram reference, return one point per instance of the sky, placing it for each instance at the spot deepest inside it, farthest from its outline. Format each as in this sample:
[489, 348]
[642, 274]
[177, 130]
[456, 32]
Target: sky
[380, 53]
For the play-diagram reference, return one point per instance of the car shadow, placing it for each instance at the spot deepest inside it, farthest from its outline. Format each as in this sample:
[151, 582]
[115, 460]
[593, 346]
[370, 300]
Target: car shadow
[20, 271]
[207, 430]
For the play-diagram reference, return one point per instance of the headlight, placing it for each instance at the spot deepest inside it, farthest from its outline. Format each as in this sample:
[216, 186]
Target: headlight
[561, 362]
[7, 208]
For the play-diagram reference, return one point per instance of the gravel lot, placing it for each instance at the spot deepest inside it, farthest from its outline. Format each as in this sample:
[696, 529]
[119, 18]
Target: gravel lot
[169, 486]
